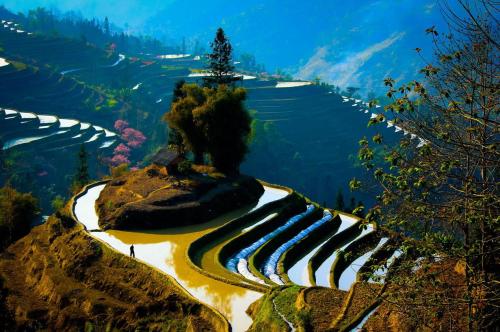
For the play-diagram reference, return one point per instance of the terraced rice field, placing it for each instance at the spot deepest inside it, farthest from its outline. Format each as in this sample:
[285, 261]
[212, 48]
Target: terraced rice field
[228, 263]
[23, 131]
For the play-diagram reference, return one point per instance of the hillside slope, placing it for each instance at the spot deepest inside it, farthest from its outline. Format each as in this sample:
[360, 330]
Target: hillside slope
[59, 278]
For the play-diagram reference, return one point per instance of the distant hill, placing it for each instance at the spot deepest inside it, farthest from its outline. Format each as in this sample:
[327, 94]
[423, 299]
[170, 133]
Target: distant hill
[354, 43]
[305, 136]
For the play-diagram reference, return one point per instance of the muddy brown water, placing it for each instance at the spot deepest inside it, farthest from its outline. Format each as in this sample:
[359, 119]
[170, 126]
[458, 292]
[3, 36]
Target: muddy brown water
[166, 249]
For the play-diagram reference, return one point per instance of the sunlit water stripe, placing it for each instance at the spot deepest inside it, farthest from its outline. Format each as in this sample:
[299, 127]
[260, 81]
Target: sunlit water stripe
[3, 62]
[380, 273]
[270, 195]
[26, 115]
[65, 123]
[246, 252]
[93, 138]
[10, 112]
[106, 144]
[272, 262]
[244, 271]
[322, 274]
[24, 140]
[348, 277]
[266, 219]
[45, 119]
[299, 273]
[291, 84]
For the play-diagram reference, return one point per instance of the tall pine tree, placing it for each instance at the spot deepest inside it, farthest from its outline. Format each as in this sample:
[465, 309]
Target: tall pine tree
[106, 27]
[82, 176]
[221, 65]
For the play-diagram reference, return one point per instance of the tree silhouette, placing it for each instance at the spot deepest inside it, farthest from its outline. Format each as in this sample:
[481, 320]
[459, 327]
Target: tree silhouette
[106, 27]
[221, 67]
[82, 176]
[225, 123]
[181, 118]
[174, 137]
[18, 211]
[339, 201]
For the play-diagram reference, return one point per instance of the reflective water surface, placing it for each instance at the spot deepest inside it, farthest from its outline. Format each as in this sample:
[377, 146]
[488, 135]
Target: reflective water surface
[166, 249]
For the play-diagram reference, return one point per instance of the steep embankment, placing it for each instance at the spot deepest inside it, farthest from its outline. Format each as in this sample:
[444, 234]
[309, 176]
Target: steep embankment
[60, 278]
[150, 198]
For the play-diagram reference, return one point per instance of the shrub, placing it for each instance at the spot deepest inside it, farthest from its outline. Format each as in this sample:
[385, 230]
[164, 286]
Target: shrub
[184, 167]
[17, 212]
[57, 203]
[122, 149]
[120, 125]
[119, 159]
[119, 170]
[133, 137]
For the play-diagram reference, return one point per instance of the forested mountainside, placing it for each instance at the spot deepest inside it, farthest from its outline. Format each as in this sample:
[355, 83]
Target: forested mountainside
[72, 78]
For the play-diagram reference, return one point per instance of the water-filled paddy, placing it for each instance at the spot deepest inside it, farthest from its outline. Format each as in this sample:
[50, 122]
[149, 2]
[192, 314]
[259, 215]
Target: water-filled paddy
[166, 250]
[322, 274]
[348, 277]
[299, 273]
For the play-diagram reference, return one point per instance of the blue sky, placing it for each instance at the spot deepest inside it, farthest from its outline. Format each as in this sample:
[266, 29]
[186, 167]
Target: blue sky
[347, 43]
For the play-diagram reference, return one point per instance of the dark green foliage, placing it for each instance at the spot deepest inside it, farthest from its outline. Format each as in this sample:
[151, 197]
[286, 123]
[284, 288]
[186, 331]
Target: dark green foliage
[249, 63]
[17, 212]
[57, 203]
[339, 201]
[178, 92]
[88, 30]
[226, 125]
[181, 119]
[213, 121]
[359, 210]
[82, 176]
[174, 136]
[175, 141]
[106, 26]
[184, 167]
[221, 60]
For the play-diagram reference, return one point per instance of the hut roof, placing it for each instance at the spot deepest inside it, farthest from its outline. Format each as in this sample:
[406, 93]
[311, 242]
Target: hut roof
[165, 157]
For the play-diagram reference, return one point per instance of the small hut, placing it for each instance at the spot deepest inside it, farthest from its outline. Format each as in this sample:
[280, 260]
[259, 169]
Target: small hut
[168, 159]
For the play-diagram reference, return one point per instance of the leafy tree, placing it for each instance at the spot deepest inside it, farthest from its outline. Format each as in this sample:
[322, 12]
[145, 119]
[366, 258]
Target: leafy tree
[441, 188]
[175, 141]
[352, 204]
[82, 176]
[221, 61]
[174, 137]
[119, 170]
[339, 201]
[225, 122]
[213, 121]
[18, 211]
[359, 210]
[178, 93]
[57, 203]
[181, 118]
